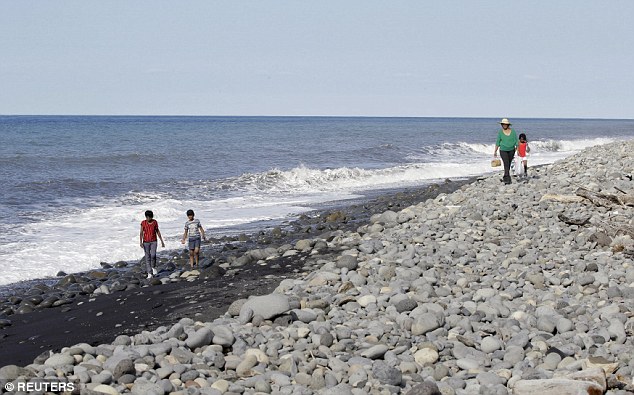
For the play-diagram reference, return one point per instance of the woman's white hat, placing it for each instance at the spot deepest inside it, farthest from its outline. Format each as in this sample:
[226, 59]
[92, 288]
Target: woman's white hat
[505, 122]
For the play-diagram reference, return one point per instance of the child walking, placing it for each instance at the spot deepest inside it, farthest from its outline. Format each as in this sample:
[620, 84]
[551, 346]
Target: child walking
[147, 236]
[195, 231]
[522, 152]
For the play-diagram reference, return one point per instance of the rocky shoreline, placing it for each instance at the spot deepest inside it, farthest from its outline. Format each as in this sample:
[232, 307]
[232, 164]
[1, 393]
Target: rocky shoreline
[67, 306]
[525, 288]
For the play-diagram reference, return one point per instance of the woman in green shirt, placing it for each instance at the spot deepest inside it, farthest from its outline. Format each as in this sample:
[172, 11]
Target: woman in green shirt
[507, 144]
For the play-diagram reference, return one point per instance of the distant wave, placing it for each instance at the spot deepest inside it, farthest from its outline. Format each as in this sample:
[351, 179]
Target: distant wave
[309, 180]
[443, 151]
[569, 145]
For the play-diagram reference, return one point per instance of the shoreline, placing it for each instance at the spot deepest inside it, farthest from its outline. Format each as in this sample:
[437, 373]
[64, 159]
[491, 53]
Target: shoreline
[248, 233]
[24, 338]
[488, 288]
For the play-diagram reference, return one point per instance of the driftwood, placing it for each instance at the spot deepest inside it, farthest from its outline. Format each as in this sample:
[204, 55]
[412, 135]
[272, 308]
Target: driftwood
[562, 198]
[608, 200]
[616, 229]
[598, 199]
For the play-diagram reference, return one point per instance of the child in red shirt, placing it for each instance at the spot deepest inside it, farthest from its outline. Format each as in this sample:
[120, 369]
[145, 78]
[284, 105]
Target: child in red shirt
[522, 152]
[147, 236]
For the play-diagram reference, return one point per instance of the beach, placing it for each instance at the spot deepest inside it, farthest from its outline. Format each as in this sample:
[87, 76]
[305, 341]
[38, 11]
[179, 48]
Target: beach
[484, 288]
[32, 329]
[249, 171]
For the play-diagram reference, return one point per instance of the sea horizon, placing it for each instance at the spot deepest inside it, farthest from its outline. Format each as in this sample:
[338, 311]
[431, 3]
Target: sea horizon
[316, 116]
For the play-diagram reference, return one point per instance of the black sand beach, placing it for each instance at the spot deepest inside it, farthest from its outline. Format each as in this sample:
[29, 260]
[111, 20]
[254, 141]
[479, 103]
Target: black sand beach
[100, 319]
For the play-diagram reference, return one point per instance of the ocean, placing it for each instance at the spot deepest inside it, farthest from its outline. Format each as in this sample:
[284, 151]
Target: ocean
[74, 188]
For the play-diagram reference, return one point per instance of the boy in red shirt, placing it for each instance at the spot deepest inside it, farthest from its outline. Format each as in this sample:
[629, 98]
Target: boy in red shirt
[149, 232]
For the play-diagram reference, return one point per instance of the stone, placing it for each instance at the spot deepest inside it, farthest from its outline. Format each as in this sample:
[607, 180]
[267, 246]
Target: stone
[235, 307]
[348, 262]
[202, 337]
[267, 306]
[386, 374]
[304, 315]
[490, 344]
[375, 352]
[244, 367]
[426, 356]
[339, 389]
[119, 365]
[60, 360]
[424, 323]
[223, 336]
[424, 388]
[105, 389]
[304, 245]
[12, 372]
[366, 300]
[145, 387]
[405, 305]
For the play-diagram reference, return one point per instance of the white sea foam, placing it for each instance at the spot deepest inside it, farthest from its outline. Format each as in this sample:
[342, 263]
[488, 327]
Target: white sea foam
[110, 233]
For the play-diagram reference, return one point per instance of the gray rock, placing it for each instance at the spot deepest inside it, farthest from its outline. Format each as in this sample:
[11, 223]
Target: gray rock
[564, 325]
[425, 322]
[326, 339]
[514, 354]
[546, 324]
[490, 379]
[189, 375]
[267, 306]
[424, 388]
[223, 336]
[386, 374]
[175, 331]
[339, 389]
[104, 377]
[246, 315]
[235, 307]
[60, 360]
[490, 344]
[181, 355]
[145, 387]
[202, 337]
[585, 279]
[118, 365]
[303, 315]
[122, 340]
[388, 217]
[375, 352]
[348, 262]
[406, 305]
[12, 372]
[304, 245]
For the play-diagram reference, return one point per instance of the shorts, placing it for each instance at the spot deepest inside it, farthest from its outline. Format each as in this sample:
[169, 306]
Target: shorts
[194, 243]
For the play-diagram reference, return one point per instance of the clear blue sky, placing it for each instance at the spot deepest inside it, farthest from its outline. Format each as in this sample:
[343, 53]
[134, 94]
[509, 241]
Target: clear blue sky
[368, 58]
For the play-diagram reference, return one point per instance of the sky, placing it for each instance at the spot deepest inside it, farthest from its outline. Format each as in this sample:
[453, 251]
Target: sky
[551, 59]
